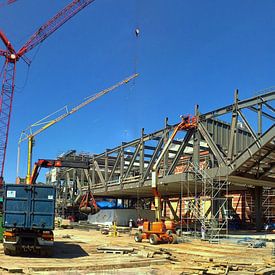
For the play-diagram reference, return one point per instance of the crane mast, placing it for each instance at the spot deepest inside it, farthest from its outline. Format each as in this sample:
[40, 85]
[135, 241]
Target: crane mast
[9, 68]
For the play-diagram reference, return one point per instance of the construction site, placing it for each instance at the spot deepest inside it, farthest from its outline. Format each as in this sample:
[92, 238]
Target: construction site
[196, 196]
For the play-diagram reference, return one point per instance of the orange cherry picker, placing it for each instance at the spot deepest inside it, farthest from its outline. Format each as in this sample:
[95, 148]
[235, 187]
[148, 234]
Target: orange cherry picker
[157, 231]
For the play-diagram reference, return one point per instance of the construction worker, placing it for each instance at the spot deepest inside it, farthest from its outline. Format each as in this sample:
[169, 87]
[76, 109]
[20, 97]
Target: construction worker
[203, 231]
[130, 227]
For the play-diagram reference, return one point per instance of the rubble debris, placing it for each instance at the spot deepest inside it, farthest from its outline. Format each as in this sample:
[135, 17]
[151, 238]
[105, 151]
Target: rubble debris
[257, 244]
[67, 236]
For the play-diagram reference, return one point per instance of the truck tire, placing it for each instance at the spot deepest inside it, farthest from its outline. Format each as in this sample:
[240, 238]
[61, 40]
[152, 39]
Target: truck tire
[153, 239]
[138, 237]
[10, 252]
[6, 251]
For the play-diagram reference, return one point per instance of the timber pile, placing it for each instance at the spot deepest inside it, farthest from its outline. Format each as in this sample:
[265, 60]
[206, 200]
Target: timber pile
[90, 250]
[115, 249]
[193, 258]
[211, 266]
[95, 263]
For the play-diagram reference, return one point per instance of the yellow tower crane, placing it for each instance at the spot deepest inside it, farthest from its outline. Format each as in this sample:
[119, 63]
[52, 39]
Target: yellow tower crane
[46, 122]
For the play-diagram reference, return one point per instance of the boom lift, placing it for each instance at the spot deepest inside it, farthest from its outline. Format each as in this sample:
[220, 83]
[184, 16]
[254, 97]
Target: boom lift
[187, 123]
[158, 231]
[46, 122]
[12, 56]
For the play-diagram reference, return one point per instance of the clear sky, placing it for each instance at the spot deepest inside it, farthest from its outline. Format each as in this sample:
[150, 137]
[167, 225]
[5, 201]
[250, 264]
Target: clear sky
[188, 52]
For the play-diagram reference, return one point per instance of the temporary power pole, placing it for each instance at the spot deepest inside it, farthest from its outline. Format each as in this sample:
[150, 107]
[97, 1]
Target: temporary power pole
[46, 122]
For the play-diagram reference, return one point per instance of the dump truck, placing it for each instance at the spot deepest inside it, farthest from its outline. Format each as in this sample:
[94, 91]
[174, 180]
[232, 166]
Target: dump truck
[28, 218]
[29, 211]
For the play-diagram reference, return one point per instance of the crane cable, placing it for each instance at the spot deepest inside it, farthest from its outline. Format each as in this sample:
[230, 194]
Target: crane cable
[21, 89]
[136, 53]
[137, 35]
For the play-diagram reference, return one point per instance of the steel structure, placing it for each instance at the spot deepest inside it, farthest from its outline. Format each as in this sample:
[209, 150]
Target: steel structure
[216, 156]
[12, 57]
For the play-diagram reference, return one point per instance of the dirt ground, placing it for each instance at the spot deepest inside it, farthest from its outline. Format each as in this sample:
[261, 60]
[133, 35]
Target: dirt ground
[75, 252]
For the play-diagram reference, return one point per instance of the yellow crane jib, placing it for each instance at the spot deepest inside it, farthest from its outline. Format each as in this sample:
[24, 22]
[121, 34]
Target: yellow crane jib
[48, 121]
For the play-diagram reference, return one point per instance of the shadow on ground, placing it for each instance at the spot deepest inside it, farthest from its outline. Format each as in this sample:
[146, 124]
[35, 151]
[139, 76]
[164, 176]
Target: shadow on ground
[65, 250]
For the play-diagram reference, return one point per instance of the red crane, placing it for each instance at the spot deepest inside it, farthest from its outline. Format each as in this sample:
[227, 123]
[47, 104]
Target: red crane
[12, 57]
[8, 2]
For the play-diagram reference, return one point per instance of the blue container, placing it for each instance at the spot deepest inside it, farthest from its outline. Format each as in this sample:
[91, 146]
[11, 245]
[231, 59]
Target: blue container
[29, 206]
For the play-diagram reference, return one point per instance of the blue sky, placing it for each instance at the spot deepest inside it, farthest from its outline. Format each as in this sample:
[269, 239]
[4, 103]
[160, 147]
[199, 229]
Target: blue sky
[188, 52]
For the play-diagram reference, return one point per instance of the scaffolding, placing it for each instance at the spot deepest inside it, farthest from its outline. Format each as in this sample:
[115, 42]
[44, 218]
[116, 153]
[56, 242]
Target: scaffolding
[206, 208]
[269, 204]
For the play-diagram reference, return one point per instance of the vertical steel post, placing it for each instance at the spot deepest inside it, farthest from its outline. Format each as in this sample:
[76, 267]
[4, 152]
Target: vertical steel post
[121, 166]
[141, 155]
[232, 147]
[196, 144]
[106, 166]
[29, 163]
[93, 170]
[166, 155]
[260, 123]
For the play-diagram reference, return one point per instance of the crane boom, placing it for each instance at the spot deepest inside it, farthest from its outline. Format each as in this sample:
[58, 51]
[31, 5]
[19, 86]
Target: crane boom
[2, 52]
[9, 69]
[29, 134]
[53, 24]
[49, 163]
[9, 2]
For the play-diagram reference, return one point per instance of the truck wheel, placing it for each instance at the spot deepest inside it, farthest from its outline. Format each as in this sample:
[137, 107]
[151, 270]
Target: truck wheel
[6, 251]
[10, 252]
[138, 237]
[173, 238]
[153, 239]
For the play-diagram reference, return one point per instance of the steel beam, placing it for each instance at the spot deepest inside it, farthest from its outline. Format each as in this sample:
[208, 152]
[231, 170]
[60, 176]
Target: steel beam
[181, 149]
[153, 159]
[253, 148]
[247, 103]
[130, 166]
[99, 173]
[212, 145]
[115, 165]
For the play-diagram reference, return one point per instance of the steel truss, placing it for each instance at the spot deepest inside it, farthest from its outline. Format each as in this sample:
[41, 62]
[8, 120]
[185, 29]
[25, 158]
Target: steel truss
[238, 151]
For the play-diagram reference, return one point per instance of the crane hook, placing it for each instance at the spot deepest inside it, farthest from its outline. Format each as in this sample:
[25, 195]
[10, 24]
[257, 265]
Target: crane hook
[137, 32]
